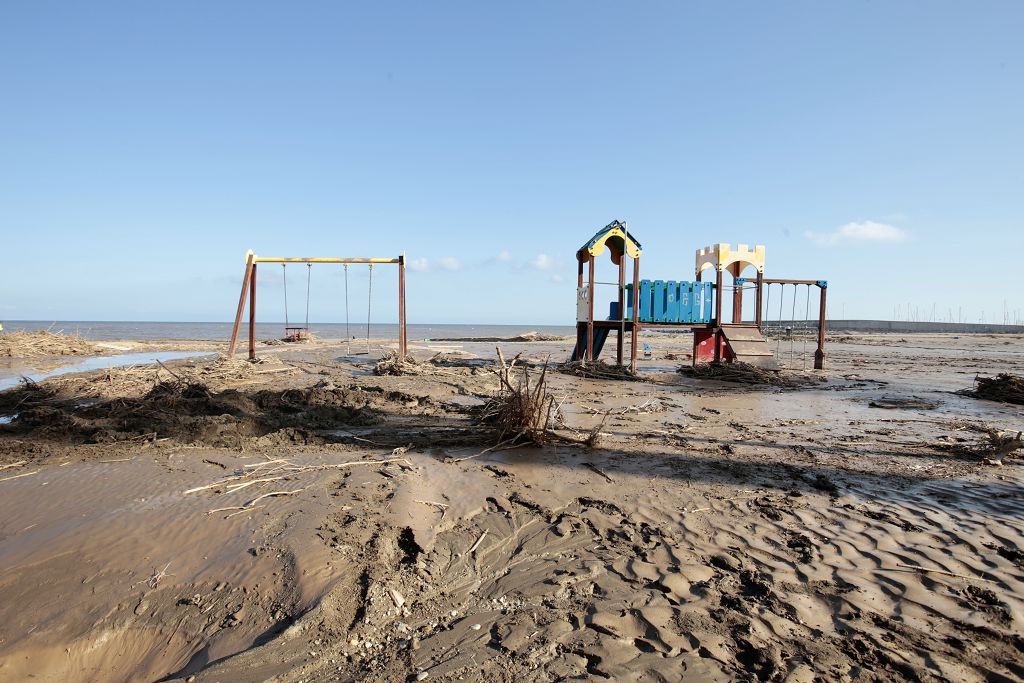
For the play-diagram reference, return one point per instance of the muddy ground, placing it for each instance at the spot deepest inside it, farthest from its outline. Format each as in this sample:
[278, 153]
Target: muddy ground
[302, 519]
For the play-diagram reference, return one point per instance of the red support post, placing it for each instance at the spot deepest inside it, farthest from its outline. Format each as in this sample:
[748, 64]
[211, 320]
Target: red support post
[760, 287]
[622, 306]
[634, 333]
[590, 313]
[737, 297]
[718, 314]
[718, 298]
[402, 336]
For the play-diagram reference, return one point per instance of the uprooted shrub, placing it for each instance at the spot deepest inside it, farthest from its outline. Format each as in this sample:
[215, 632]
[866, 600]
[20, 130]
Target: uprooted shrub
[520, 413]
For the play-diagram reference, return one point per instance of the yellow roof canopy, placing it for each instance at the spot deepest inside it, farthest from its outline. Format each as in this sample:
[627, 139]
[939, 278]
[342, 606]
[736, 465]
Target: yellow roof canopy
[618, 240]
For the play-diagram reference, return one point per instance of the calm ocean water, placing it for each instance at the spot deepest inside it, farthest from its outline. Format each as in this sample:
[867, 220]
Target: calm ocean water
[110, 331]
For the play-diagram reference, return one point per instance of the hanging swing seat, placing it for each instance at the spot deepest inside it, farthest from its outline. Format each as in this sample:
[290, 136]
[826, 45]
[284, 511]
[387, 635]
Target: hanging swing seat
[295, 334]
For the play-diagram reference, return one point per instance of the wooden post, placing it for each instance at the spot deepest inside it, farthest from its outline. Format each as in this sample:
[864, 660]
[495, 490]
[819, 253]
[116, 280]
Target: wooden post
[737, 302]
[760, 286]
[718, 298]
[402, 338]
[622, 304]
[241, 303]
[590, 313]
[819, 353]
[252, 313]
[634, 333]
[718, 314]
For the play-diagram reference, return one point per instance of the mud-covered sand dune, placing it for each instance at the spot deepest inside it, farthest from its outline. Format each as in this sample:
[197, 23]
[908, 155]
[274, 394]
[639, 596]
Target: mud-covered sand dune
[305, 519]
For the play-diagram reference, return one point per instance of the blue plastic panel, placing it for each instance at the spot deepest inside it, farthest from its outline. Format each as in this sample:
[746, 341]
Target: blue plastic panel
[645, 301]
[671, 301]
[658, 311]
[706, 301]
[684, 302]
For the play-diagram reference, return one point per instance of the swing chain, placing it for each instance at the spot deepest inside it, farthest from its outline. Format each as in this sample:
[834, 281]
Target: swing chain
[369, 304]
[348, 335]
[284, 277]
[803, 335]
[309, 272]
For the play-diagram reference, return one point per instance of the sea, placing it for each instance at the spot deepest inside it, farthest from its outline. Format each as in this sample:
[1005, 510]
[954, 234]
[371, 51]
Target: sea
[149, 331]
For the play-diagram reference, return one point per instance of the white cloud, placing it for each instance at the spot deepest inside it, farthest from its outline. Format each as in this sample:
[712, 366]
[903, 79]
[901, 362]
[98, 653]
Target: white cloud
[557, 279]
[543, 262]
[504, 256]
[420, 265]
[864, 231]
[449, 263]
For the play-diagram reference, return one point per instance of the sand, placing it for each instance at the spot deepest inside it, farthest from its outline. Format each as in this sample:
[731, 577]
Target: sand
[846, 529]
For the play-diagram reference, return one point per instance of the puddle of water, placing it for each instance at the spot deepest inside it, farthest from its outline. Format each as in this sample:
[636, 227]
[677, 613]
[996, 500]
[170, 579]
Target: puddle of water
[7, 419]
[8, 380]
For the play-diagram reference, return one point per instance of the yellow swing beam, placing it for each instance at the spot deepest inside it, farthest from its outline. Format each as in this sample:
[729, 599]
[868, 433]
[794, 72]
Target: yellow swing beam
[249, 292]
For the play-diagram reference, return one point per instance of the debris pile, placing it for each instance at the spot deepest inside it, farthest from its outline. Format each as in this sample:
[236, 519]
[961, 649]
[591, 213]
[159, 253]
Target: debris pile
[525, 337]
[745, 373]
[136, 380]
[1003, 387]
[186, 412]
[905, 402]
[24, 344]
[391, 364]
[597, 369]
[996, 444]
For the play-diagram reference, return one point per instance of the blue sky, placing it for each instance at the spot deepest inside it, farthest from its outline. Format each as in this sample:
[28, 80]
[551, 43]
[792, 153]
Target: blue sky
[146, 146]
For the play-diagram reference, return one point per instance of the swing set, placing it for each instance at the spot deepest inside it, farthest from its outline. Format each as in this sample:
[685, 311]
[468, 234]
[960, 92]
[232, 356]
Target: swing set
[300, 333]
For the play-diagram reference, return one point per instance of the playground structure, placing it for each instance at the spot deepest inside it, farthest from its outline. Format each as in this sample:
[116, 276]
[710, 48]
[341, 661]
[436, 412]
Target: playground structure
[296, 333]
[696, 305]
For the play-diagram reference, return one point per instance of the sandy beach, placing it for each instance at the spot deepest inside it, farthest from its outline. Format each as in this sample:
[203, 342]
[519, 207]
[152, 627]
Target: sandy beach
[304, 519]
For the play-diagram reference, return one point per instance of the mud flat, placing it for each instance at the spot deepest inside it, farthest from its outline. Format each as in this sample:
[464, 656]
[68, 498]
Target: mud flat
[302, 518]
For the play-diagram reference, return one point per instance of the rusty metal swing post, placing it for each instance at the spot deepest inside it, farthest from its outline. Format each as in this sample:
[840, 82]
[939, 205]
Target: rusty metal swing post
[249, 292]
[252, 313]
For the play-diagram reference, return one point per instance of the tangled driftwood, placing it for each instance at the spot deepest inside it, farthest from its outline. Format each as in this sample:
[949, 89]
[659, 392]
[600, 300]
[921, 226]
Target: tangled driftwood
[1003, 387]
[744, 373]
[994, 446]
[391, 364]
[598, 370]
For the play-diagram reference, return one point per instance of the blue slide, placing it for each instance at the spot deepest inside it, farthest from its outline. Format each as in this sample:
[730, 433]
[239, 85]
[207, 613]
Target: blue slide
[600, 337]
